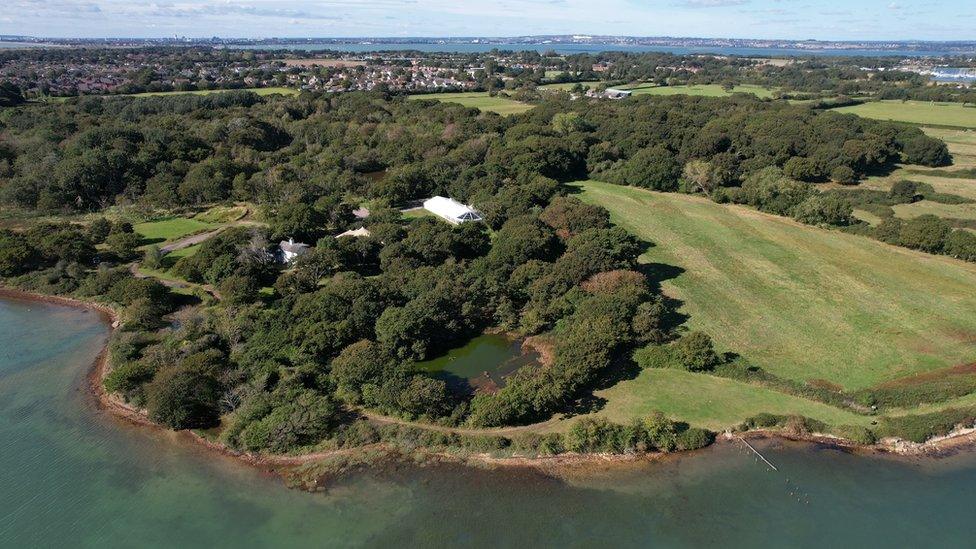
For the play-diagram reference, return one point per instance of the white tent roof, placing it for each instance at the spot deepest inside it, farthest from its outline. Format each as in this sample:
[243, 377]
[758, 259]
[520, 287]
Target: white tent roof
[451, 209]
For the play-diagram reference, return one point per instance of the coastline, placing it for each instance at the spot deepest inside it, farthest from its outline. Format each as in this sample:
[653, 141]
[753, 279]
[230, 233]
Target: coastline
[299, 470]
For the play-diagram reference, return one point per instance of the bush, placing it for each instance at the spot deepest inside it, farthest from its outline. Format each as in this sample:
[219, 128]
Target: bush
[921, 427]
[855, 433]
[306, 418]
[591, 435]
[824, 210]
[844, 175]
[925, 232]
[904, 192]
[961, 245]
[694, 438]
[927, 151]
[694, 352]
[184, 397]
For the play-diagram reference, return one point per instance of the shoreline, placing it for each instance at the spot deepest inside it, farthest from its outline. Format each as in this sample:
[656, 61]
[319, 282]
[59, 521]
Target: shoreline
[560, 465]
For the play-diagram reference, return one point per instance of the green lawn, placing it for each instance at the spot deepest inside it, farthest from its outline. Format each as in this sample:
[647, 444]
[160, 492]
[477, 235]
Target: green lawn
[707, 90]
[478, 100]
[259, 91]
[957, 211]
[171, 228]
[802, 302]
[708, 401]
[569, 85]
[917, 112]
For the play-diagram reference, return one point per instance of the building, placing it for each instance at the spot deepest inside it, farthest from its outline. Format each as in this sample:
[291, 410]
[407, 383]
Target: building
[362, 231]
[450, 210]
[291, 250]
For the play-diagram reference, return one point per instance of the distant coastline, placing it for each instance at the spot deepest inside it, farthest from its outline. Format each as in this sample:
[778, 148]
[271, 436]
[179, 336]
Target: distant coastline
[563, 44]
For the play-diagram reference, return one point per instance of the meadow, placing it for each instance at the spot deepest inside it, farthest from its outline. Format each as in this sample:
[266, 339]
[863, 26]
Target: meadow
[803, 303]
[706, 90]
[259, 91]
[171, 228]
[479, 100]
[917, 112]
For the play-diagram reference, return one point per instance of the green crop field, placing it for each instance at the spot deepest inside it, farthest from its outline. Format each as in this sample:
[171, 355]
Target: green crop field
[479, 100]
[259, 91]
[802, 302]
[917, 112]
[171, 228]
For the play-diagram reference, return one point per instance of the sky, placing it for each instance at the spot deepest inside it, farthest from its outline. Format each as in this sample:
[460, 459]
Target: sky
[788, 19]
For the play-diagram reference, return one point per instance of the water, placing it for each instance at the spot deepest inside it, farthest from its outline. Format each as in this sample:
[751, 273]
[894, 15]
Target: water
[483, 363]
[569, 49]
[70, 476]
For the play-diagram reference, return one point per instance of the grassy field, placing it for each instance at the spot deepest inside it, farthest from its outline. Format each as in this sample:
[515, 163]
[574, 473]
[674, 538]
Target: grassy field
[708, 401]
[569, 85]
[917, 112]
[801, 302]
[707, 90]
[957, 211]
[479, 100]
[259, 91]
[171, 228]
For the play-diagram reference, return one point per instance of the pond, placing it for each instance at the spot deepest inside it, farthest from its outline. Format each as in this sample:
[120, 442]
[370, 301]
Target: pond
[482, 364]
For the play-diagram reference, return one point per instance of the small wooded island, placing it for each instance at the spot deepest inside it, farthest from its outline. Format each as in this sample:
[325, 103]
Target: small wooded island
[678, 266]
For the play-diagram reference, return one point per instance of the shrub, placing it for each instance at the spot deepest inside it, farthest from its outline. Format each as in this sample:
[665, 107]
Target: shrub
[694, 438]
[306, 418]
[824, 210]
[590, 435]
[904, 192]
[925, 232]
[844, 175]
[855, 433]
[961, 245]
[927, 151]
[694, 352]
[183, 398]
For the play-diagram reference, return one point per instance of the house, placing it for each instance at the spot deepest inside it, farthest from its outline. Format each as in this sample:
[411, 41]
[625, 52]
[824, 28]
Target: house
[362, 231]
[291, 250]
[451, 210]
[612, 93]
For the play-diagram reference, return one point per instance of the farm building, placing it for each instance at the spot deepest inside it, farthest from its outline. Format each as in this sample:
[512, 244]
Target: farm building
[451, 210]
[291, 250]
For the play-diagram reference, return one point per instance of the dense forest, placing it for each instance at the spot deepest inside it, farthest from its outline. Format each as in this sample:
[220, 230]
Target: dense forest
[289, 356]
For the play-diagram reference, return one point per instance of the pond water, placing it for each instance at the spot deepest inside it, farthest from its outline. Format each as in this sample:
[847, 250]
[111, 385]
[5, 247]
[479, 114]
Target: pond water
[482, 364]
[72, 477]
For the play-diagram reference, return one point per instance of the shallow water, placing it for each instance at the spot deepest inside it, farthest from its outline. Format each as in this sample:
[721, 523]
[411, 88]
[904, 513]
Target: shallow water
[70, 476]
[483, 363]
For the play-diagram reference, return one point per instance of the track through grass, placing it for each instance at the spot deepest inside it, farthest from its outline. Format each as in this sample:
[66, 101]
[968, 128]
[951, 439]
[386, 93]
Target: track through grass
[801, 302]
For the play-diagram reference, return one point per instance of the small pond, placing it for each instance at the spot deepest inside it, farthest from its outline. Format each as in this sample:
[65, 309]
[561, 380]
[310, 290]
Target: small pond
[481, 365]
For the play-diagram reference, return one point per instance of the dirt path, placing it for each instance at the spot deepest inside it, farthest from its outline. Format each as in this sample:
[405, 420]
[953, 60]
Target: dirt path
[191, 240]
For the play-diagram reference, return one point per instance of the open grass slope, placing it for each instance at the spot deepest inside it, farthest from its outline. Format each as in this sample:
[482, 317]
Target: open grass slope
[706, 90]
[259, 91]
[171, 228]
[801, 302]
[708, 401]
[479, 100]
[917, 112]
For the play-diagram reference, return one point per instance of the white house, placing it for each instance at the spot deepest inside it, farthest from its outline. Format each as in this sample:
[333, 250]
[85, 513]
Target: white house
[451, 210]
[291, 250]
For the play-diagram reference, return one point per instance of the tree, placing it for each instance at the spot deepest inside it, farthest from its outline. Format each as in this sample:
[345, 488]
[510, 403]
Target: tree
[153, 258]
[844, 175]
[801, 169]
[700, 175]
[184, 397]
[123, 245]
[824, 209]
[904, 192]
[651, 168]
[10, 95]
[927, 151]
[16, 254]
[695, 353]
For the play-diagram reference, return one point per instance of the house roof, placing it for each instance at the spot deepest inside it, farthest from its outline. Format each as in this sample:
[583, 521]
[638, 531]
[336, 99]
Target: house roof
[451, 209]
[292, 246]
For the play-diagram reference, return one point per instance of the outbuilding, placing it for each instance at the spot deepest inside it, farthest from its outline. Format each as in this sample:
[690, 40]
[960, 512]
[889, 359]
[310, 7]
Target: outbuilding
[451, 210]
[291, 250]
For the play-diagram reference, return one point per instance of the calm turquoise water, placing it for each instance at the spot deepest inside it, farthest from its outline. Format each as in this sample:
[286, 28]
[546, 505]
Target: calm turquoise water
[69, 476]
